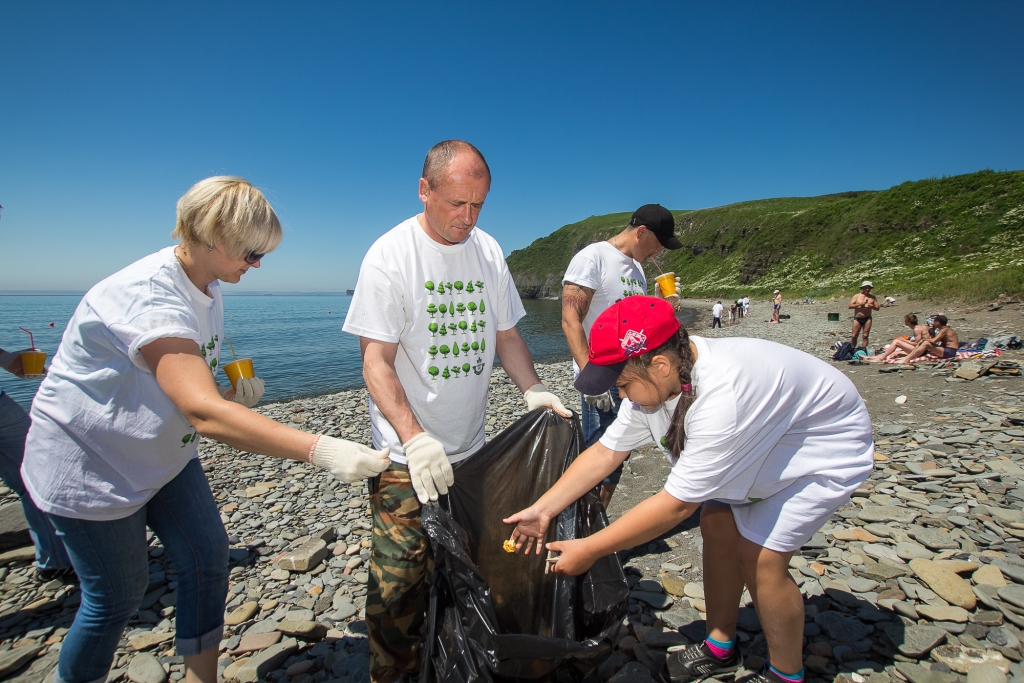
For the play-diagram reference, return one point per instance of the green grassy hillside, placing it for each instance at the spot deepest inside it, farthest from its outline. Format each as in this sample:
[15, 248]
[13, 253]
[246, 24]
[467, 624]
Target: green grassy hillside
[957, 238]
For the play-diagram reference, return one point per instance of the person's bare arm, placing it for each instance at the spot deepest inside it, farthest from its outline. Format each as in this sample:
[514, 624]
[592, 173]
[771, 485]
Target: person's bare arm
[645, 522]
[575, 306]
[586, 472]
[855, 301]
[184, 376]
[386, 389]
[516, 359]
[873, 302]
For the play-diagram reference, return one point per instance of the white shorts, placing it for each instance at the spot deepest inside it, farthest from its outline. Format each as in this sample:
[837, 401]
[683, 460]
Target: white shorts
[787, 520]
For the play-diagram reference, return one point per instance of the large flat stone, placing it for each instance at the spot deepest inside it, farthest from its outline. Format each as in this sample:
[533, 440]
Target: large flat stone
[963, 659]
[915, 673]
[655, 600]
[915, 641]
[242, 613]
[254, 642]
[307, 630]
[145, 668]
[304, 558]
[887, 513]
[1013, 594]
[13, 527]
[15, 658]
[946, 584]
[934, 539]
[939, 613]
[841, 628]
[990, 574]
[266, 661]
[1011, 567]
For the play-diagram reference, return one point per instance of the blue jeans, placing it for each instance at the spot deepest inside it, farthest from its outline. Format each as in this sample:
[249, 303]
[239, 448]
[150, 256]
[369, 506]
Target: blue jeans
[50, 553]
[111, 559]
[595, 422]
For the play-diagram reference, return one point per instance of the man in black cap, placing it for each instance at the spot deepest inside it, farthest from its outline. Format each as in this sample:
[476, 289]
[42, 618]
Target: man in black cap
[598, 276]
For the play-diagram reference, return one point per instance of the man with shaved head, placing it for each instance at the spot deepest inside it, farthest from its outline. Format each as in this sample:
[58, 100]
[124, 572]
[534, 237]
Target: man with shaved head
[433, 304]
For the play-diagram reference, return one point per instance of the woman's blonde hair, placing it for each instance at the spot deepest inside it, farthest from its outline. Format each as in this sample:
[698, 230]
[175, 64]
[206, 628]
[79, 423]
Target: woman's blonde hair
[230, 209]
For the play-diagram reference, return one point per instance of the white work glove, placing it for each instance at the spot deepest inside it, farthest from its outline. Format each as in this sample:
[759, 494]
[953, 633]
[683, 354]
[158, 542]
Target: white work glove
[429, 468]
[349, 461]
[248, 391]
[602, 402]
[538, 396]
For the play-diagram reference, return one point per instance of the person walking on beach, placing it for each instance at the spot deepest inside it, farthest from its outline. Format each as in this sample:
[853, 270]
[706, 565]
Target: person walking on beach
[716, 315]
[746, 306]
[433, 292]
[863, 303]
[770, 439]
[115, 428]
[599, 275]
[776, 306]
[52, 559]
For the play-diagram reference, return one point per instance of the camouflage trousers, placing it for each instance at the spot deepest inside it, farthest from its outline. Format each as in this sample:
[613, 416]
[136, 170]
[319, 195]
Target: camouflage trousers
[400, 565]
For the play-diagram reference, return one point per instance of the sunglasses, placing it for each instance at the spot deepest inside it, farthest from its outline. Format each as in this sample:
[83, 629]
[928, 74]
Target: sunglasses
[252, 258]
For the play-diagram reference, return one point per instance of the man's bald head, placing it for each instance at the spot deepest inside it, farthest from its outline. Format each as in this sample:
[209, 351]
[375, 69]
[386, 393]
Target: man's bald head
[441, 155]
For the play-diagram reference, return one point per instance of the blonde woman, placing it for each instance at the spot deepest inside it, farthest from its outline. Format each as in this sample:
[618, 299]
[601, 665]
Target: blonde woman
[112, 446]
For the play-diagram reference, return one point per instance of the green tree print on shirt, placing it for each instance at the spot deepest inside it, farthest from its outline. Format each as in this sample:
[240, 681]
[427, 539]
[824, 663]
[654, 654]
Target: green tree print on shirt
[430, 286]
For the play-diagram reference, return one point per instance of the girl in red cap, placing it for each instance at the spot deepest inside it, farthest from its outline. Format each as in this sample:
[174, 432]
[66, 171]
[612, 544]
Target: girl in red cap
[770, 439]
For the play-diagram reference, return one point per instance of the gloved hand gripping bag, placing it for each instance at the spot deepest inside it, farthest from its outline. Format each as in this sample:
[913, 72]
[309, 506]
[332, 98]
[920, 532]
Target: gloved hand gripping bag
[495, 616]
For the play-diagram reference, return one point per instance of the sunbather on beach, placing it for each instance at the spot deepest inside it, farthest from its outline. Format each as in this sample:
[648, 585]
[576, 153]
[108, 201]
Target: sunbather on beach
[863, 304]
[903, 343]
[944, 344]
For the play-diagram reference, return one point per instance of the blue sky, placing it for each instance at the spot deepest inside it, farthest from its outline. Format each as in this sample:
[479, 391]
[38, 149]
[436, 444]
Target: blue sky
[110, 111]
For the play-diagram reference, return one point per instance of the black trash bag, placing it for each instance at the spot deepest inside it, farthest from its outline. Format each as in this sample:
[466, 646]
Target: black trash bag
[495, 616]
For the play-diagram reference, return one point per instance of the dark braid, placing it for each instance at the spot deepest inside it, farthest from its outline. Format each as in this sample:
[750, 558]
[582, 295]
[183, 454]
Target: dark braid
[676, 348]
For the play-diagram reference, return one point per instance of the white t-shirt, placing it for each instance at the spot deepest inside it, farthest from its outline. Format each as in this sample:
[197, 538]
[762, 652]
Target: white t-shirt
[716, 310]
[104, 436]
[408, 283]
[611, 274]
[765, 415]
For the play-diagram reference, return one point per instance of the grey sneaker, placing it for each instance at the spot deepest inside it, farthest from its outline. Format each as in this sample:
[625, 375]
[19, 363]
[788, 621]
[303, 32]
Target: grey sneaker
[696, 662]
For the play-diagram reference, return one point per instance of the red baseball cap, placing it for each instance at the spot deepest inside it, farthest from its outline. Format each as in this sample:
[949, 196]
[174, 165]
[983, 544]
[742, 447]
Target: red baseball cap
[629, 327]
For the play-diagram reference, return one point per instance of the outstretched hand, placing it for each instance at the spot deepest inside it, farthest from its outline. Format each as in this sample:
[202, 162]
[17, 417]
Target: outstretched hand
[574, 557]
[531, 525]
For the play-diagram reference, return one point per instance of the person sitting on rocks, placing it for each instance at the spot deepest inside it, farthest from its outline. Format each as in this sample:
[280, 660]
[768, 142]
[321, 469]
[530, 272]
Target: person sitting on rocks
[771, 440]
[112, 447]
[903, 344]
[943, 344]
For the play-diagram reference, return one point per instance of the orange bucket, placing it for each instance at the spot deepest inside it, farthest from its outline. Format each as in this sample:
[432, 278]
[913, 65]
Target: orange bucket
[237, 369]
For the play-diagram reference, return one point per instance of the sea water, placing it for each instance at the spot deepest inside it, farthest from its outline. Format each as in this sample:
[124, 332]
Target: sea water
[295, 341]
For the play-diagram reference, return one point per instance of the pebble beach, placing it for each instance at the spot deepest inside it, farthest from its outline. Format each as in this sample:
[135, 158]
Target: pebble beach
[920, 578]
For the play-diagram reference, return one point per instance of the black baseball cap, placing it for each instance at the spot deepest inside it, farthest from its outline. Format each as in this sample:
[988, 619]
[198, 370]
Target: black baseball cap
[658, 220]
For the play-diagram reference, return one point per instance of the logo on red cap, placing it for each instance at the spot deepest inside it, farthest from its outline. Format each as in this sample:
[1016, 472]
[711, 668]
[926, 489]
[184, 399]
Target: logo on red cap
[634, 342]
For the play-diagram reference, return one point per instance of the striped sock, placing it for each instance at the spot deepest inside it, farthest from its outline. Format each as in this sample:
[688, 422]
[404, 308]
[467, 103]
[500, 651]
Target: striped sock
[798, 677]
[720, 648]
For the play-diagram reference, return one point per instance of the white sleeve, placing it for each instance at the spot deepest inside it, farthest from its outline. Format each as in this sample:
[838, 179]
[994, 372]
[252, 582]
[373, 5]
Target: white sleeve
[377, 309]
[629, 430]
[583, 270]
[166, 315]
[510, 306]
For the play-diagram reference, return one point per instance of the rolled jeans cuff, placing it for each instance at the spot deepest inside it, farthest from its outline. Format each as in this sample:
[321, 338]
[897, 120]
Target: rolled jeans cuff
[58, 679]
[186, 647]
